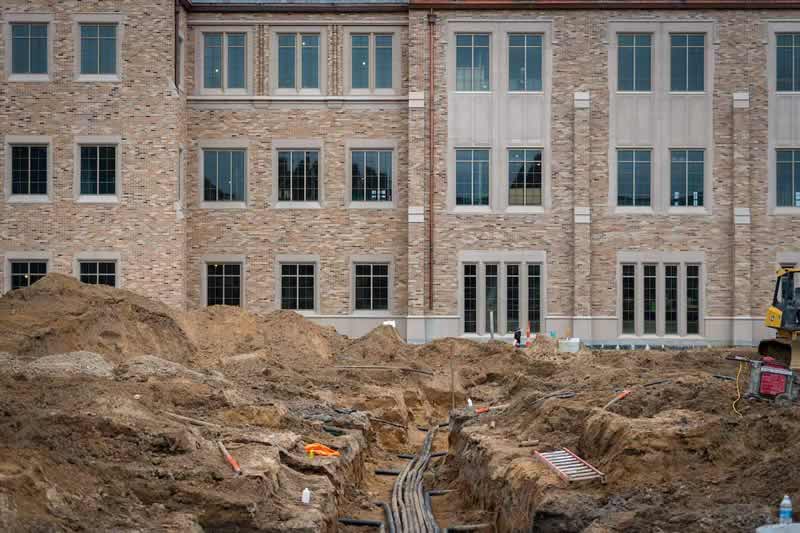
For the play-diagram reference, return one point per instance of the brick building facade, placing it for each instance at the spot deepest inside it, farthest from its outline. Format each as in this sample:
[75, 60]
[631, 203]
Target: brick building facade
[623, 175]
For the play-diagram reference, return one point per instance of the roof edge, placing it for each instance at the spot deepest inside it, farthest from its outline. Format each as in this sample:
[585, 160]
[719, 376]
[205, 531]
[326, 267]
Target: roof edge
[604, 4]
[317, 7]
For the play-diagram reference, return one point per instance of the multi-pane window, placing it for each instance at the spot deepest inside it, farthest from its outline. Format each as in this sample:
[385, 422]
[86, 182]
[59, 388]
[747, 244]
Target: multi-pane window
[650, 299]
[224, 60]
[372, 286]
[371, 61]
[224, 175]
[788, 176]
[98, 169]
[224, 284]
[306, 55]
[512, 297]
[788, 61]
[99, 272]
[298, 175]
[686, 177]
[692, 299]
[471, 298]
[490, 298]
[671, 299]
[29, 170]
[472, 62]
[98, 48]
[524, 177]
[472, 177]
[629, 299]
[524, 62]
[687, 61]
[371, 175]
[28, 48]
[26, 273]
[633, 178]
[535, 297]
[297, 286]
[634, 62]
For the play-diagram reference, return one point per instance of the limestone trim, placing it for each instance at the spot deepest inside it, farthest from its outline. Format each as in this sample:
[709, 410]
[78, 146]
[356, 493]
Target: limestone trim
[223, 259]
[101, 140]
[322, 64]
[97, 18]
[396, 59]
[12, 256]
[372, 259]
[249, 62]
[105, 256]
[229, 144]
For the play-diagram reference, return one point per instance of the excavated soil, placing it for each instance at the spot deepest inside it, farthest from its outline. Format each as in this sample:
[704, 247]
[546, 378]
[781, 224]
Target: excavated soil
[113, 407]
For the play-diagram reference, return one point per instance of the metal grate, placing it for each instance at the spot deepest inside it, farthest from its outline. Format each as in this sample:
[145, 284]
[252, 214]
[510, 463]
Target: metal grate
[569, 466]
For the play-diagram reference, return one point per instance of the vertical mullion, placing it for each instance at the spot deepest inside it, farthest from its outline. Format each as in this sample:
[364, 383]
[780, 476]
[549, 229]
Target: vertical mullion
[472, 175]
[28, 149]
[371, 64]
[298, 58]
[97, 176]
[224, 73]
[524, 82]
[216, 180]
[633, 159]
[305, 177]
[472, 65]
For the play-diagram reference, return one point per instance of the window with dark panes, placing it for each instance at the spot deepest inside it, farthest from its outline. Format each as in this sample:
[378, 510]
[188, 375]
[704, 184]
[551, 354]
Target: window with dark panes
[634, 62]
[98, 169]
[470, 298]
[687, 177]
[692, 299]
[99, 273]
[629, 299]
[472, 177]
[472, 62]
[306, 55]
[298, 175]
[383, 61]
[525, 177]
[371, 175]
[224, 60]
[224, 175]
[98, 48]
[787, 174]
[650, 299]
[490, 283]
[371, 61]
[671, 299]
[535, 298]
[633, 178]
[224, 284]
[372, 287]
[524, 62]
[687, 61]
[512, 297]
[788, 61]
[26, 273]
[28, 48]
[29, 170]
[297, 286]
[359, 48]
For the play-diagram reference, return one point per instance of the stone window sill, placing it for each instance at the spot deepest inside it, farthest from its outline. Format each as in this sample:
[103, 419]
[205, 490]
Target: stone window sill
[624, 210]
[371, 205]
[786, 211]
[472, 210]
[28, 199]
[223, 205]
[29, 78]
[98, 199]
[110, 78]
[298, 205]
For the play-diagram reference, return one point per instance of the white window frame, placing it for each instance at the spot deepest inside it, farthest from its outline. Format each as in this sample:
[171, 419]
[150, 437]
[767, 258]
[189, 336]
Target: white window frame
[92, 140]
[281, 260]
[98, 256]
[297, 90]
[284, 145]
[372, 31]
[29, 18]
[352, 145]
[249, 63]
[373, 260]
[14, 257]
[223, 259]
[97, 18]
[223, 144]
[28, 140]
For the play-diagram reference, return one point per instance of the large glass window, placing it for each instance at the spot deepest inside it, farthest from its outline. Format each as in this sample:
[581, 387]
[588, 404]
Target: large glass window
[788, 61]
[297, 286]
[28, 170]
[535, 298]
[98, 48]
[472, 62]
[671, 299]
[224, 175]
[650, 299]
[687, 61]
[634, 62]
[371, 175]
[472, 177]
[371, 61]
[26, 273]
[470, 298]
[360, 61]
[28, 48]
[99, 272]
[224, 60]
[491, 298]
[787, 174]
[524, 62]
[372, 287]
[224, 284]
[98, 169]
[525, 177]
[629, 299]
[307, 55]
[298, 175]
[633, 177]
[687, 177]
[692, 299]
[512, 297]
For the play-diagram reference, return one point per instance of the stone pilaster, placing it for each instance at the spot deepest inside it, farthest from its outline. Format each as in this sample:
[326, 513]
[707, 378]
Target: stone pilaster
[742, 198]
[582, 253]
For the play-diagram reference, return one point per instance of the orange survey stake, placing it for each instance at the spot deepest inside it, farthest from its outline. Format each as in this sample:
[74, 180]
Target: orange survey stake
[321, 449]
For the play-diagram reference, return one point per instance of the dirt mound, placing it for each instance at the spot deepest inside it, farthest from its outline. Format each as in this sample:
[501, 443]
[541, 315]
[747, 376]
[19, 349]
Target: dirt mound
[59, 314]
[70, 364]
[381, 344]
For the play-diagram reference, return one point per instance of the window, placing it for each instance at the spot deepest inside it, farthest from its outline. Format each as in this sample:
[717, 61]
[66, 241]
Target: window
[692, 299]
[633, 62]
[491, 298]
[650, 299]
[26, 273]
[98, 170]
[525, 177]
[671, 299]
[29, 48]
[472, 177]
[470, 298]
[29, 170]
[298, 175]
[297, 286]
[371, 175]
[512, 297]
[224, 61]
[98, 49]
[788, 61]
[307, 55]
[99, 272]
[224, 284]
[633, 178]
[524, 62]
[788, 177]
[472, 62]
[686, 177]
[371, 61]
[687, 65]
[372, 287]
[535, 298]
[224, 175]
[629, 299]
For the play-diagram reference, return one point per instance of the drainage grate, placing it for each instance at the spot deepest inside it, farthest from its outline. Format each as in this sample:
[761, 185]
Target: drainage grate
[569, 466]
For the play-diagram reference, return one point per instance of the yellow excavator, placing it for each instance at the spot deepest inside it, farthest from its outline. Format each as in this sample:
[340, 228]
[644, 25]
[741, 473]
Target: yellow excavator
[784, 316]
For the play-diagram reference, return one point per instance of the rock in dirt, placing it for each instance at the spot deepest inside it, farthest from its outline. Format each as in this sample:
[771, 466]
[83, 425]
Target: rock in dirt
[70, 364]
[146, 366]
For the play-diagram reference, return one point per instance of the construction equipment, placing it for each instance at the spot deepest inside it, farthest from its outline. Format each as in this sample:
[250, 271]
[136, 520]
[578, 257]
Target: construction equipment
[770, 380]
[784, 316]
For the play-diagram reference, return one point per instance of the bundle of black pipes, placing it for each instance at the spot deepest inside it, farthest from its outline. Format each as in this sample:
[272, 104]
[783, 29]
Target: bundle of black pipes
[411, 510]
